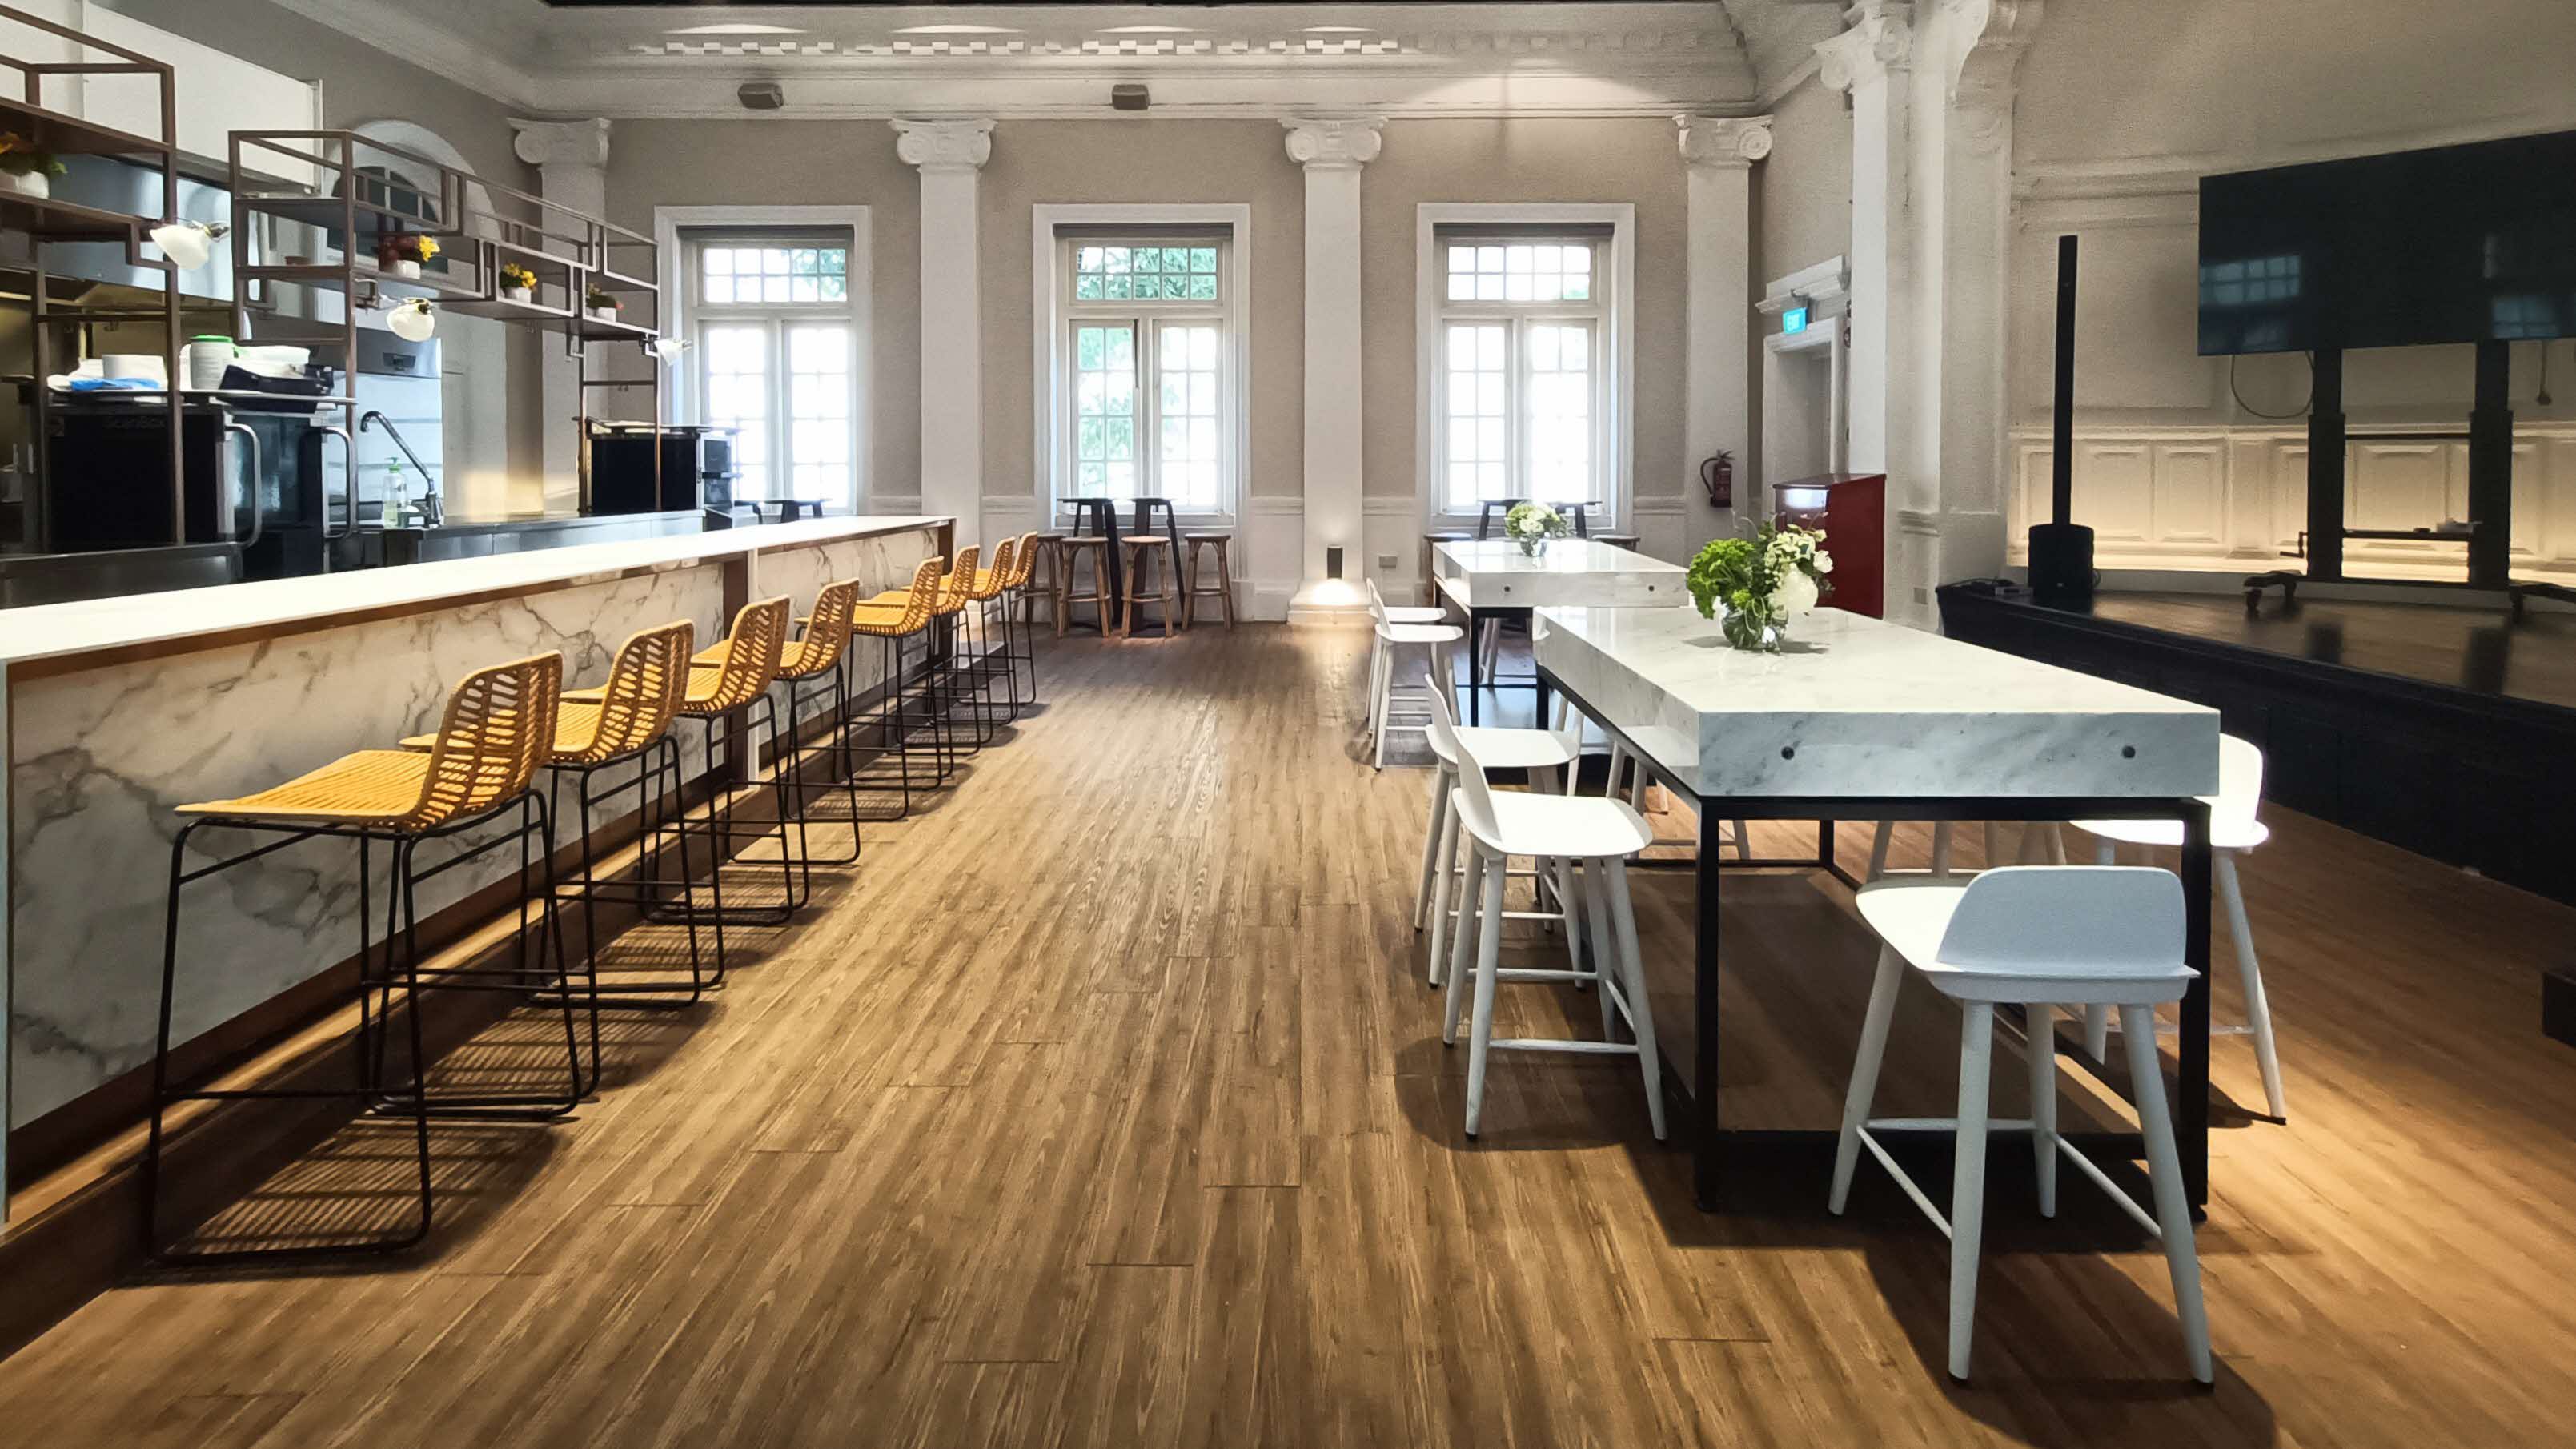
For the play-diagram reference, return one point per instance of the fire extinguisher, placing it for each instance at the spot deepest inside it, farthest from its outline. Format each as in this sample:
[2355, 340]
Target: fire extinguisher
[1717, 475]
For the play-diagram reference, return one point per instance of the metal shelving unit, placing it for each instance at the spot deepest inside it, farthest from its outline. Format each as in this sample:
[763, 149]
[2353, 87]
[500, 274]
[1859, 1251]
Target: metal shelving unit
[479, 226]
[43, 220]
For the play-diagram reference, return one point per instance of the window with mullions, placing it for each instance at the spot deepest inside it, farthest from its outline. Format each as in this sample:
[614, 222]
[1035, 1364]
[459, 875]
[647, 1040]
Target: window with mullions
[777, 357]
[1146, 346]
[1524, 405]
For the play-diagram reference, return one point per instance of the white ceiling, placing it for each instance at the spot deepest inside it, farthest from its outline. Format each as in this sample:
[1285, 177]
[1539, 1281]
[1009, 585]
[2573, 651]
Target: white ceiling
[1042, 60]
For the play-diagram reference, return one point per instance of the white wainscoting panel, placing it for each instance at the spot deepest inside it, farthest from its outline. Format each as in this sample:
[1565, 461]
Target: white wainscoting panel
[1270, 554]
[2227, 498]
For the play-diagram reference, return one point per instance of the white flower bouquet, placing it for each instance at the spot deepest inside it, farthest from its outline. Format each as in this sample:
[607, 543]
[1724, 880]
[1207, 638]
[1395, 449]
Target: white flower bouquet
[1763, 583]
[1531, 525]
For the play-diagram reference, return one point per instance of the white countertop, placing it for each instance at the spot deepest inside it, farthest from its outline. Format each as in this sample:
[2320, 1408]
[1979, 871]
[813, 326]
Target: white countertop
[1855, 707]
[1494, 574]
[47, 631]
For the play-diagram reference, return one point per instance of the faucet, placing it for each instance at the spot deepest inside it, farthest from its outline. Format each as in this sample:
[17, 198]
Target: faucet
[430, 507]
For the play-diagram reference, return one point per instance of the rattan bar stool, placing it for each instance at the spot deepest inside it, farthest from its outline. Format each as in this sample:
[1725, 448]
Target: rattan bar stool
[728, 695]
[491, 738]
[1022, 648]
[1223, 590]
[1143, 549]
[981, 659]
[1077, 551]
[1041, 572]
[628, 723]
[811, 668]
[947, 649]
[906, 698]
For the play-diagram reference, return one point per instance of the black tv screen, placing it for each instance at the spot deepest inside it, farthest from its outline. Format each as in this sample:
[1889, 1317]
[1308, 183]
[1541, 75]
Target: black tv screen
[2458, 244]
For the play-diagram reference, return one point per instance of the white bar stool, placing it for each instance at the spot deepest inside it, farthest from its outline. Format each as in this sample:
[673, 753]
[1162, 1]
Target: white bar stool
[2233, 831]
[1385, 698]
[2030, 935]
[1597, 835]
[1495, 749]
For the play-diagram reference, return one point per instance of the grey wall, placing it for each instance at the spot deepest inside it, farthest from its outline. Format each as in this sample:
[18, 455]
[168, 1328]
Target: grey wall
[805, 163]
[1802, 195]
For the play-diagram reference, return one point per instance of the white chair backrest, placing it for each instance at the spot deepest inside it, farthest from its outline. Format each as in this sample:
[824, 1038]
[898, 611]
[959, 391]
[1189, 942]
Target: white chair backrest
[1377, 601]
[2068, 921]
[2240, 785]
[1476, 798]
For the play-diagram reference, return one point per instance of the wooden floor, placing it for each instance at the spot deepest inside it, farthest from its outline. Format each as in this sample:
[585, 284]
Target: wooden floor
[1104, 1105]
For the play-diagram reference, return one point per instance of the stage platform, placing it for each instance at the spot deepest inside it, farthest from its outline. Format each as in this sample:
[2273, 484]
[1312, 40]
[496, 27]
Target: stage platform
[2447, 729]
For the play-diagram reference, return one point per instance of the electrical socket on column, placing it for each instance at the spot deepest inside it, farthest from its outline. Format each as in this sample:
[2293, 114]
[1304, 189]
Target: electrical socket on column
[1386, 563]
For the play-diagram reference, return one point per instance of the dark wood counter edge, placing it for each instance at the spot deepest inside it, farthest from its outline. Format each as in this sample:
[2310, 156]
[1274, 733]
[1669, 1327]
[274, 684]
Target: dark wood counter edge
[54, 666]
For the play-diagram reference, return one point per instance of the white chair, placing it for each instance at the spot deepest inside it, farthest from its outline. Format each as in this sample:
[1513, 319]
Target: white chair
[1385, 698]
[2032, 936]
[1496, 749]
[1578, 832]
[1407, 613]
[2233, 831]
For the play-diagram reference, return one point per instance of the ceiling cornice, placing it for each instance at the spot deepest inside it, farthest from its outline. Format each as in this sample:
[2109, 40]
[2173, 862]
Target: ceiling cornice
[395, 30]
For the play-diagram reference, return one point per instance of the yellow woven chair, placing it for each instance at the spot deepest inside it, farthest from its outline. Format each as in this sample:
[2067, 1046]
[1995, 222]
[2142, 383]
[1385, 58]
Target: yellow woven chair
[812, 669]
[896, 618]
[1012, 562]
[495, 731]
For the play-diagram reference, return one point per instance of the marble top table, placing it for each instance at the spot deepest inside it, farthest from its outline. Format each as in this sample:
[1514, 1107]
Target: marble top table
[1493, 579]
[1862, 720]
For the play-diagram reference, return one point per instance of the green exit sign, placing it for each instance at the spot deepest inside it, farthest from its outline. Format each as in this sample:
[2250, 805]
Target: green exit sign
[1793, 319]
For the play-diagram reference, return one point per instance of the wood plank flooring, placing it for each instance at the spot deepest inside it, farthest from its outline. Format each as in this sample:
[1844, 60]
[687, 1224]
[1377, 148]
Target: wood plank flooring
[1103, 1104]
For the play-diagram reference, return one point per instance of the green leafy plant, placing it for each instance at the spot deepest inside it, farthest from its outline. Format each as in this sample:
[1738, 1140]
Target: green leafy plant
[595, 297]
[19, 157]
[1761, 582]
[514, 275]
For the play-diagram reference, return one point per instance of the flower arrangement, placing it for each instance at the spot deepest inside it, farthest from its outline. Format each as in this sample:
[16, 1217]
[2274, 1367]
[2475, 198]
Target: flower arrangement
[1763, 582]
[1531, 525]
[406, 246]
[602, 302]
[29, 168]
[516, 278]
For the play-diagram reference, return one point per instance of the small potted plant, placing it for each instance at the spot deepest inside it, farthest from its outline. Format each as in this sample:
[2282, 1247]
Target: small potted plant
[27, 170]
[1762, 583]
[603, 303]
[1531, 525]
[402, 252]
[518, 284]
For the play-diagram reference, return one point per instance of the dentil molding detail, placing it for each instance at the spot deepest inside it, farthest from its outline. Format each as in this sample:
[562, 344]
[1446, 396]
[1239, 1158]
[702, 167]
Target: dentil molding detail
[944, 145]
[1335, 145]
[1880, 41]
[1724, 141]
[551, 143]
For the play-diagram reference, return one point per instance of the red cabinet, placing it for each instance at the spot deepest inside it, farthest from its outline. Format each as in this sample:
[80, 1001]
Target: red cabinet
[1851, 510]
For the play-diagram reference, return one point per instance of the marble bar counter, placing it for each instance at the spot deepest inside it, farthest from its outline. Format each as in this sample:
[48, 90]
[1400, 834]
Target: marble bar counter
[119, 709]
[1485, 575]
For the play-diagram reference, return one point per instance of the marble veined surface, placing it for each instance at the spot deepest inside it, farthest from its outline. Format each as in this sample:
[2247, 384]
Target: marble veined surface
[1858, 708]
[98, 758]
[1495, 574]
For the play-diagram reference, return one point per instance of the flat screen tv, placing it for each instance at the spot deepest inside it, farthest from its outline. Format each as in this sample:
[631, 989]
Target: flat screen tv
[2469, 243]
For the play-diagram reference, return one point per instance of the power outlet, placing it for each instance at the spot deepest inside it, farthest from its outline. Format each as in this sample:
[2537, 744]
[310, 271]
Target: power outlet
[1386, 563]
[1922, 596]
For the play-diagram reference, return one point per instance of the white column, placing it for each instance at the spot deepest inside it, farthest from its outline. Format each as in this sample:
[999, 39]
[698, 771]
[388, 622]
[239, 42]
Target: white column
[571, 158]
[1872, 63]
[1717, 345]
[1332, 151]
[950, 155]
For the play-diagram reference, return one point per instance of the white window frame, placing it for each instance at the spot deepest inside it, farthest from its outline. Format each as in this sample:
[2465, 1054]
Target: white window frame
[679, 285]
[1050, 290]
[1614, 280]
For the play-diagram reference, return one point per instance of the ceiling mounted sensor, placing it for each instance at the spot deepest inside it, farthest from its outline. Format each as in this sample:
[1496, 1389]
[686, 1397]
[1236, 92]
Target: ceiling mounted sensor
[761, 95]
[1128, 96]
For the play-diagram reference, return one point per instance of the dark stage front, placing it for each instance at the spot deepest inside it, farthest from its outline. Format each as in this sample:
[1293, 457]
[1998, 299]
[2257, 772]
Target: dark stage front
[2445, 729]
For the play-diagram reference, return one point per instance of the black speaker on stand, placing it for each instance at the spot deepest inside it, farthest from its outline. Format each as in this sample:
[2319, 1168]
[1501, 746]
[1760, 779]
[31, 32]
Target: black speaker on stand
[2061, 553]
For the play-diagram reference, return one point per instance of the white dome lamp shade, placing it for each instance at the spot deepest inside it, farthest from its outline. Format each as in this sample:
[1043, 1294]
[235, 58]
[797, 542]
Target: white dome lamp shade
[188, 244]
[413, 319]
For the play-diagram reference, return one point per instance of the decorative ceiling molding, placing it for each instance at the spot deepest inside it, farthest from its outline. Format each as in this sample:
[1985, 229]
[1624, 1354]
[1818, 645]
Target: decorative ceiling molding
[1032, 61]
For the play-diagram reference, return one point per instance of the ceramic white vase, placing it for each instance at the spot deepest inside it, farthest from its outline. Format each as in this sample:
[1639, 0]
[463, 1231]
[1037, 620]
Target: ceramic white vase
[409, 271]
[603, 314]
[518, 294]
[31, 183]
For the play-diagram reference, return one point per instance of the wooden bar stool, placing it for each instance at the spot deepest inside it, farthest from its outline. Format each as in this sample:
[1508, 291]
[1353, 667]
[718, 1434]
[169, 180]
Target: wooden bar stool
[1154, 550]
[1223, 592]
[1076, 551]
[494, 733]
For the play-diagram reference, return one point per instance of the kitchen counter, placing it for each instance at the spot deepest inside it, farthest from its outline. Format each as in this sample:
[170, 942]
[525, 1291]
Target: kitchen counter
[118, 710]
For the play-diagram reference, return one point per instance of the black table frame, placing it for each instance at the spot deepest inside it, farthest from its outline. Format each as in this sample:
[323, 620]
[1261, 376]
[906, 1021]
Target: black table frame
[1476, 680]
[1711, 1140]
